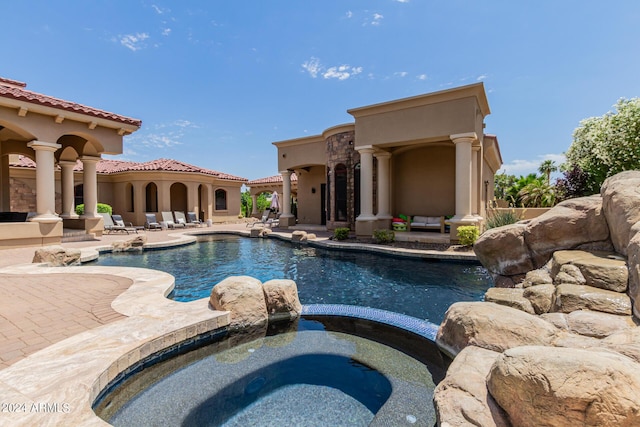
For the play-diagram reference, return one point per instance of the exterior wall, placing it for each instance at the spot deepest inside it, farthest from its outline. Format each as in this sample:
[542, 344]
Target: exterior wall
[423, 181]
[310, 202]
[302, 152]
[340, 150]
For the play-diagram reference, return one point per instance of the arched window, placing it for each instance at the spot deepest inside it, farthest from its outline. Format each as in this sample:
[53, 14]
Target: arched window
[221, 200]
[129, 198]
[151, 198]
[341, 192]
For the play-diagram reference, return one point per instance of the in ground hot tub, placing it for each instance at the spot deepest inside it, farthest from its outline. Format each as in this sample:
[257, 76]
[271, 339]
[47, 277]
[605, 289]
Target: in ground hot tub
[335, 366]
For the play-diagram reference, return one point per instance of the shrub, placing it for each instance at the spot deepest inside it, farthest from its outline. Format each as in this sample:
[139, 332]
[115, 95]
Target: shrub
[341, 233]
[468, 234]
[102, 208]
[384, 236]
[498, 218]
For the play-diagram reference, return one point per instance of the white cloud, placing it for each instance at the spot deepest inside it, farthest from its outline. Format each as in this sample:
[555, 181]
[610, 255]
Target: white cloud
[160, 10]
[481, 77]
[349, 14]
[422, 77]
[312, 66]
[400, 74]
[341, 72]
[402, 1]
[525, 167]
[376, 19]
[166, 31]
[133, 41]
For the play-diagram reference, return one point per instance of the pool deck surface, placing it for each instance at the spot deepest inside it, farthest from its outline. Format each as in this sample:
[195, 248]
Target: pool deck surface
[62, 341]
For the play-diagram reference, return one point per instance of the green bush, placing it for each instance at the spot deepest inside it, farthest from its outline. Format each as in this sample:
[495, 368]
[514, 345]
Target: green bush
[499, 218]
[341, 233]
[468, 234]
[384, 236]
[102, 208]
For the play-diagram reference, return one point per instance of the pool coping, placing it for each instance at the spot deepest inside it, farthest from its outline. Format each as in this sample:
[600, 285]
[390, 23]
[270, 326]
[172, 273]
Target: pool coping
[58, 384]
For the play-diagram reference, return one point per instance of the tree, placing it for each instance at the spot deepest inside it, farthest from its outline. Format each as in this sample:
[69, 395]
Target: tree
[604, 146]
[502, 184]
[547, 168]
[572, 184]
[513, 192]
[537, 194]
[246, 203]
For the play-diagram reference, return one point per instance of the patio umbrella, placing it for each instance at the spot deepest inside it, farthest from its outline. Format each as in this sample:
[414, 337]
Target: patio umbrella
[275, 202]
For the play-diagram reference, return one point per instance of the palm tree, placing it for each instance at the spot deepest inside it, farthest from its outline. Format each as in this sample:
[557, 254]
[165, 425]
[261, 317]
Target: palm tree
[546, 168]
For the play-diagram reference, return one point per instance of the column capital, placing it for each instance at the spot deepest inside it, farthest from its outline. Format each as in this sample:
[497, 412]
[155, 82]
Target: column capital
[366, 149]
[285, 173]
[90, 159]
[464, 137]
[44, 146]
[382, 155]
[67, 163]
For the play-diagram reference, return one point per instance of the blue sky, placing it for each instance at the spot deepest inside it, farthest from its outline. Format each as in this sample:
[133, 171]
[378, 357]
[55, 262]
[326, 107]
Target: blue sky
[216, 82]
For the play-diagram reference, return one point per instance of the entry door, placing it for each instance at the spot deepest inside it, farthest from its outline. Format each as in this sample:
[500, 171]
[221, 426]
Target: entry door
[323, 204]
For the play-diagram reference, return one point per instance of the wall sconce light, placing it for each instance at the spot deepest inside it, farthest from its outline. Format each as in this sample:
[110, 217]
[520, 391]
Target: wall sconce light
[284, 155]
[313, 190]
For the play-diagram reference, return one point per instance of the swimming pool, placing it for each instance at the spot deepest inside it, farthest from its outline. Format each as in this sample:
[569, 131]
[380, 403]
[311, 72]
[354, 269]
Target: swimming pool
[418, 288]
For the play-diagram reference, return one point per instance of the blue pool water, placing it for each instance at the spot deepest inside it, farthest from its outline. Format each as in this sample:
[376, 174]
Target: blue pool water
[419, 288]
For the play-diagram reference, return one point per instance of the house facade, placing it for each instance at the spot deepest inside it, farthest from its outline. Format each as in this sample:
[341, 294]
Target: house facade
[426, 155]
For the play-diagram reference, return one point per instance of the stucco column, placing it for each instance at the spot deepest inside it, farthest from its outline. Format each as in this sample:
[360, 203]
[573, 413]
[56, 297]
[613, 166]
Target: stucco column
[66, 176]
[463, 143]
[254, 203]
[475, 180]
[45, 181]
[5, 191]
[90, 186]
[286, 217]
[366, 184]
[384, 207]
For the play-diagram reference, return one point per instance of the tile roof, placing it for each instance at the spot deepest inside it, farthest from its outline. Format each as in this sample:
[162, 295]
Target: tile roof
[16, 90]
[272, 179]
[109, 167]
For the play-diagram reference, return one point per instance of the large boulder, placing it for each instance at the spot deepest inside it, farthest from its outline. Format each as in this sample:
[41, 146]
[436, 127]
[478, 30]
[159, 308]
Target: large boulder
[579, 297]
[633, 262]
[462, 397]
[541, 297]
[243, 296]
[57, 256]
[566, 226]
[621, 206]
[491, 326]
[597, 324]
[502, 250]
[626, 342]
[604, 270]
[542, 386]
[511, 297]
[282, 300]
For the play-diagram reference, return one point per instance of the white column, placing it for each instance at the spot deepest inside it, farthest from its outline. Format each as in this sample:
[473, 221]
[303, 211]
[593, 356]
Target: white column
[68, 194]
[286, 195]
[384, 205]
[90, 186]
[45, 181]
[254, 204]
[366, 184]
[475, 181]
[463, 143]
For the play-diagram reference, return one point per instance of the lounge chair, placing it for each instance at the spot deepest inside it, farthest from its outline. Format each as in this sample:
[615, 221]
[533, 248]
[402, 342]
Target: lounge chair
[266, 221]
[167, 219]
[110, 226]
[182, 219]
[117, 219]
[193, 219]
[151, 222]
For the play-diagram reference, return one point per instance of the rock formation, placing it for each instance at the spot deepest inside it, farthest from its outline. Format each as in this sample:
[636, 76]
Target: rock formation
[57, 256]
[560, 337]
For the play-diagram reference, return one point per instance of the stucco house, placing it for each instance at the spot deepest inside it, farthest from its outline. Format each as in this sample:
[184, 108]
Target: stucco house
[51, 159]
[426, 155]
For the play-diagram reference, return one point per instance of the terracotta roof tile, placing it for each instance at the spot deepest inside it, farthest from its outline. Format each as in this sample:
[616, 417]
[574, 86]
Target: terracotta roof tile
[272, 179]
[109, 167]
[16, 90]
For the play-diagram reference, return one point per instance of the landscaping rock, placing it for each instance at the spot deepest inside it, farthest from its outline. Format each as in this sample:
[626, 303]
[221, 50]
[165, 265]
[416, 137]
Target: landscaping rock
[540, 276]
[569, 274]
[597, 324]
[502, 250]
[282, 300]
[542, 386]
[57, 256]
[462, 397]
[135, 244]
[299, 236]
[491, 326]
[559, 320]
[243, 296]
[621, 206]
[510, 298]
[541, 297]
[633, 261]
[565, 226]
[579, 297]
[626, 342]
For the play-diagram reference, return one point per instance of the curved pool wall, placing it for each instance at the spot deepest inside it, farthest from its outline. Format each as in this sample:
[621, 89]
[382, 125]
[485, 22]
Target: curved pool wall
[398, 347]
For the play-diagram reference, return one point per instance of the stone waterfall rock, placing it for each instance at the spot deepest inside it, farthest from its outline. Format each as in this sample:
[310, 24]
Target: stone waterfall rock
[502, 250]
[491, 326]
[282, 300]
[604, 270]
[579, 297]
[243, 296]
[633, 261]
[510, 297]
[542, 386]
[541, 297]
[57, 256]
[462, 398]
[621, 206]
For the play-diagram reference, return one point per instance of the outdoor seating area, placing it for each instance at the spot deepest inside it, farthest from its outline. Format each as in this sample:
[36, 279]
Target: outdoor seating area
[419, 222]
[115, 223]
[268, 219]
